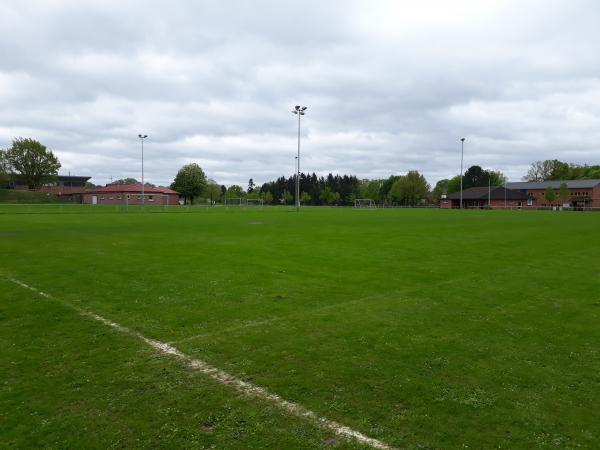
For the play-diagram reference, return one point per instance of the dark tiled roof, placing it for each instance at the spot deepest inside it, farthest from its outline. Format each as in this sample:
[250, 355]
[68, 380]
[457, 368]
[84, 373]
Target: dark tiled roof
[481, 193]
[136, 188]
[72, 178]
[571, 184]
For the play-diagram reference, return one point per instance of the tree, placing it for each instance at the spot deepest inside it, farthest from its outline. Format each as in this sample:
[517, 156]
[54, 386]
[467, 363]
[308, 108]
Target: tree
[563, 193]
[453, 185]
[496, 177]
[4, 171]
[410, 189]
[286, 197]
[441, 188]
[475, 176]
[560, 170]
[538, 171]
[190, 181]
[328, 196]
[550, 169]
[124, 181]
[304, 197]
[234, 191]
[213, 191]
[549, 195]
[31, 161]
[267, 197]
[369, 189]
[387, 185]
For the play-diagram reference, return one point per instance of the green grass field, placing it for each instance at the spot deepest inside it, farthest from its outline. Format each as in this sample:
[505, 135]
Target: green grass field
[424, 329]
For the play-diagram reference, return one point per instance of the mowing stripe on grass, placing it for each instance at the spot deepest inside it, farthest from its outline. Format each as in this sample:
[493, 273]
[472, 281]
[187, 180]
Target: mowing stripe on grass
[225, 378]
[257, 323]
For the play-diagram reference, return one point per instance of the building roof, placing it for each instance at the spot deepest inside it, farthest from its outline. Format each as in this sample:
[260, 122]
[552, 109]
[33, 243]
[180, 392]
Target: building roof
[132, 188]
[571, 184]
[481, 193]
[72, 178]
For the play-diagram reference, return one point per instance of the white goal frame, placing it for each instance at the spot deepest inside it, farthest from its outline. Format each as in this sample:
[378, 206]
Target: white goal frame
[365, 203]
[237, 201]
[255, 202]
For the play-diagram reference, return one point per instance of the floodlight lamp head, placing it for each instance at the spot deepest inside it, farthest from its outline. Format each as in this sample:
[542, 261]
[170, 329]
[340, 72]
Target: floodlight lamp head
[294, 111]
[297, 107]
[304, 108]
[301, 113]
[462, 139]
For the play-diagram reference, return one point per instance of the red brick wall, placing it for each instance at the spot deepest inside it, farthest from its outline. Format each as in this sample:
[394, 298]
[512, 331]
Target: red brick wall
[120, 198]
[595, 197]
[60, 190]
[539, 199]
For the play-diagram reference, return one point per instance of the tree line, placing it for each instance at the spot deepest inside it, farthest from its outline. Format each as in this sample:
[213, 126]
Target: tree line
[32, 162]
[553, 169]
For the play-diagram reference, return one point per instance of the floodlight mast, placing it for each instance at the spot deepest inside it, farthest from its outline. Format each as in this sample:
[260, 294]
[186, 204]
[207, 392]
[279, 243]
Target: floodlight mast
[142, 137]
[299, 111]
[462, 151]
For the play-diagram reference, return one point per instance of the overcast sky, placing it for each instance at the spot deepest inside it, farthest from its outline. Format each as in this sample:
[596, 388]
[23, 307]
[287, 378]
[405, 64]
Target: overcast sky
[390, 86]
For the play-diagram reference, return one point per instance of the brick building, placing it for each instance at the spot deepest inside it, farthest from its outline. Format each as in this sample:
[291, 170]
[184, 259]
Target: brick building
[483, 197]
[68, 188]
[582, 193]
[131, 194]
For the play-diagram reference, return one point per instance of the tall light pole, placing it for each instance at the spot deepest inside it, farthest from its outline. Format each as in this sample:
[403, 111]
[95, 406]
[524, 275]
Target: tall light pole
[299, 111]
[142, 137]
[462, 151]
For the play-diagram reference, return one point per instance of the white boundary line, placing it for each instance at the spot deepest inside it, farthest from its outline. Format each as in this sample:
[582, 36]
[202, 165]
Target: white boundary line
[222, 377]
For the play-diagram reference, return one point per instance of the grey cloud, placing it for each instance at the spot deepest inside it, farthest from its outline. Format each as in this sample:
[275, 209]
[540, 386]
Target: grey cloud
[391, 86]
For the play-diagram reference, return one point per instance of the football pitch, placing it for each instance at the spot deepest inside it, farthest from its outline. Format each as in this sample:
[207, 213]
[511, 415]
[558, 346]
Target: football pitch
[328, 328]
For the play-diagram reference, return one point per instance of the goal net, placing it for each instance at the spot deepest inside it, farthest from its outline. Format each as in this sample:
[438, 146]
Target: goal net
[232, 201]
[254, 202]
[364, 203]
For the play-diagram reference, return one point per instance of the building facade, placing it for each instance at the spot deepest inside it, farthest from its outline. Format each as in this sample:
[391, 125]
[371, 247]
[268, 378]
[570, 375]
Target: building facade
[62, 185]
[484, 197]
[131, 195]
[582, 193]
[528, 194]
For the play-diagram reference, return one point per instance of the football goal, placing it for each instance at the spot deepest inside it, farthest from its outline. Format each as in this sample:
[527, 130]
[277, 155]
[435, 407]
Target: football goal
[254, 202]
[364, 203]
[232, 201]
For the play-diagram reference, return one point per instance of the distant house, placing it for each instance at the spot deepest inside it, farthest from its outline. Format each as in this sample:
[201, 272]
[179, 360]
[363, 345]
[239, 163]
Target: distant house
[68, 188]
[483, 197]
[582, 193]
[131, 194]
[63, 184]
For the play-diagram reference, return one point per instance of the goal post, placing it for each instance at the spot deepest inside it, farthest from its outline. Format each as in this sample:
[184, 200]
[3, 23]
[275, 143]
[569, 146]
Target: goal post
[364, 203]
[232, 201]
[255, 202]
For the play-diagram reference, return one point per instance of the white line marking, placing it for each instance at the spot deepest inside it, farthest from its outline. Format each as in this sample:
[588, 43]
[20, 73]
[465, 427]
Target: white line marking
[225, 378]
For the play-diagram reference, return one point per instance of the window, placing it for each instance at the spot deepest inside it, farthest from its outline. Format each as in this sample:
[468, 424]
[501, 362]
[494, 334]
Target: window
[139, 196]
[128, 196]
[110, 198]
[118, 197]
[150, 199]
[102, 197]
